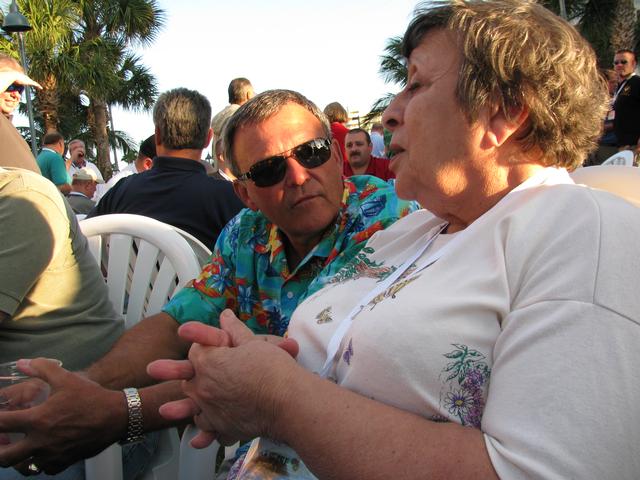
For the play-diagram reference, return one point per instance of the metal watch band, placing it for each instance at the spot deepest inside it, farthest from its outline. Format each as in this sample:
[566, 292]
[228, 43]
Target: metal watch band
[134, 424]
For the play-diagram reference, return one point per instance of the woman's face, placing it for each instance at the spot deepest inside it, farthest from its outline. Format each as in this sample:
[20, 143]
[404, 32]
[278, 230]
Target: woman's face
[436, 155]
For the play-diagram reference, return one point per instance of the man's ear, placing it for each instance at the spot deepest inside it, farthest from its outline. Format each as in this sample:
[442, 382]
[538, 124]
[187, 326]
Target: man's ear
[499, 128]
[209, 138]
[336, 152]
[148, 163]
[243, 194]
[156, 137]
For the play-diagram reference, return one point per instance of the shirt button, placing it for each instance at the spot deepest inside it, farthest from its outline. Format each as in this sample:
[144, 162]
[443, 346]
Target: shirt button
[289, 294]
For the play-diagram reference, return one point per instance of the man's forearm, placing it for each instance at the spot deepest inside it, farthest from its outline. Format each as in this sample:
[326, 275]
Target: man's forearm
[126, 364]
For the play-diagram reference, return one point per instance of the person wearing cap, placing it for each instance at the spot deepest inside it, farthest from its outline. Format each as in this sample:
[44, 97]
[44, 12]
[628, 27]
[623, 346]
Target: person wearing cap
[83, 187]
[142, 163]
[12, 83]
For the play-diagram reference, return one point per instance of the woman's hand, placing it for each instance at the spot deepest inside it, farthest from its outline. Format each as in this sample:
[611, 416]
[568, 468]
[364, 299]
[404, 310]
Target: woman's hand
[233, 379]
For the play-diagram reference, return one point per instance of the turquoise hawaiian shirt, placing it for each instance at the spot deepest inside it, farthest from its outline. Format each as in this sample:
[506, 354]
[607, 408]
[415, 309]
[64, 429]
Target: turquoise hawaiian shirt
[248, 270]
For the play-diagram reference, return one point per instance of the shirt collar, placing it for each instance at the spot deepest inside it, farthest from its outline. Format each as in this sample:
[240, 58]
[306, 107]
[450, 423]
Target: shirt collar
[323, 249]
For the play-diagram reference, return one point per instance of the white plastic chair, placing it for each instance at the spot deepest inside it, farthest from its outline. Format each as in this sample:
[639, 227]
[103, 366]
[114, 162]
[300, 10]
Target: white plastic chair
[144, 262]
[200, 249]
[620, 180]
[625, 157]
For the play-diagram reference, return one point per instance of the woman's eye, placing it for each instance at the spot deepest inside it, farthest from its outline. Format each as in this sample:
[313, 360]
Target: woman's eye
[413, 86]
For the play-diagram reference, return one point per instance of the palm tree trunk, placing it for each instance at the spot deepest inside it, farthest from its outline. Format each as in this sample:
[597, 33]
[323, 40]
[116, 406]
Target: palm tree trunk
[101, 136]
[49, 102]
[623, 25]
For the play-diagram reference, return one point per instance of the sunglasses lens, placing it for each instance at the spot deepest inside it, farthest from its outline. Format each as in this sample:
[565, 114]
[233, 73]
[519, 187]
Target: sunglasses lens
[268, 172]
[313, 154]
[15, 88]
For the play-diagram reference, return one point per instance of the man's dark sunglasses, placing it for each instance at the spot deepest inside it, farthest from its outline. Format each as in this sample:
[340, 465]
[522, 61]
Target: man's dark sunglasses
[623, 62]
[15, 87]
[272, 170]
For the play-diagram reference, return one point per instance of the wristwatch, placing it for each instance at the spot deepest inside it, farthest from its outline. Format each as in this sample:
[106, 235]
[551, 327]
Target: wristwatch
[135, 433]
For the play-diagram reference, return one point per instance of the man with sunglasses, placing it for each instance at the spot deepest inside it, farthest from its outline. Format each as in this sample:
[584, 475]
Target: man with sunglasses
[626, 101]
[304, 223]
[12, 83]
[304, 220]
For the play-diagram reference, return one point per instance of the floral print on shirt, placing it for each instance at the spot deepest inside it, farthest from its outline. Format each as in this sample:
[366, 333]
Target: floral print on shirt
[465, 382]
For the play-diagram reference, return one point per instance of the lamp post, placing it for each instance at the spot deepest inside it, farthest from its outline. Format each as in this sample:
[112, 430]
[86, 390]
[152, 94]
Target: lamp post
[563, 9]
[15, 22]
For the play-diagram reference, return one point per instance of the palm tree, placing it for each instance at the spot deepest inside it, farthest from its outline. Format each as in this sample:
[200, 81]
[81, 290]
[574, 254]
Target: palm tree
[393, 69]
[609, 25]
[108, 28]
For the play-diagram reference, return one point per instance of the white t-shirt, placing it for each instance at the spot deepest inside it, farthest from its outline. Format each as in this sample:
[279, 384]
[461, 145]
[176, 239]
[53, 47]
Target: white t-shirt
[130, 169]
[527, 327]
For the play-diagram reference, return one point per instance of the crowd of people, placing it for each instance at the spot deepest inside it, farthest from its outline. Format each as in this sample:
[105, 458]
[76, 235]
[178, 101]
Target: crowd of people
[451, 305]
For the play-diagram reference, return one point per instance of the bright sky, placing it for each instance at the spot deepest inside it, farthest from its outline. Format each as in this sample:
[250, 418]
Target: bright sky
[329, 51]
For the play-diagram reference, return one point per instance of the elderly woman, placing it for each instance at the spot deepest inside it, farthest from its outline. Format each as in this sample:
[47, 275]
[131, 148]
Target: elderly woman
[494, 334]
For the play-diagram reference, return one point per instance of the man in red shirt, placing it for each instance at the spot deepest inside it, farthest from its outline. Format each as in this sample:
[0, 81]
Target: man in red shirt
[359, 160]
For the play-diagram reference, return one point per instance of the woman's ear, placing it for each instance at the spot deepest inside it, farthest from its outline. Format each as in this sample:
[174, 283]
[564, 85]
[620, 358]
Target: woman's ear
[499, 128]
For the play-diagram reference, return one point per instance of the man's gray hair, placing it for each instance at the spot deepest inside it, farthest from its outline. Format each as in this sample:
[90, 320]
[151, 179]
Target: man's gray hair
[260, 108]
[182, 118]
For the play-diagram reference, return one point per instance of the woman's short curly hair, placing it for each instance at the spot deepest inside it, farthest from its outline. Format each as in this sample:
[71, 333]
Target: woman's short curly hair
[517, 54]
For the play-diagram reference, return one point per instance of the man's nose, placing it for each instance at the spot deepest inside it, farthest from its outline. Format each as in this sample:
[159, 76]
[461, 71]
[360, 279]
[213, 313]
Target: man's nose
[296, 173]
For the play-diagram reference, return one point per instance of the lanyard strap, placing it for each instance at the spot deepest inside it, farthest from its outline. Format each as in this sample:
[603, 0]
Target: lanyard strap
[620, 87]
[343, 327]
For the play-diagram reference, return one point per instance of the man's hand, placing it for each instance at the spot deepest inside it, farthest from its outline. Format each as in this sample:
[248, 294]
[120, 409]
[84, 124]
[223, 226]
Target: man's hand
[205, 373]
[78, 420]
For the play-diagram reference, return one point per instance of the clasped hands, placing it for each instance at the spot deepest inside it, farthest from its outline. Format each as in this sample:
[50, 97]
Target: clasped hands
[234, 380]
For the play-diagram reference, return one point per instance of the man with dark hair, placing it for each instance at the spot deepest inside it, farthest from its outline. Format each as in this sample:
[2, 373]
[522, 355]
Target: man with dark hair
[359, 159]
[240, 91]
[51, 162]
[626, 101]
[142, 163]
[176, 190]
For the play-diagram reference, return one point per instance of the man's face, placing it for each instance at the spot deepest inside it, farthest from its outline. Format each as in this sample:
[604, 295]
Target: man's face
[10, 99]
[358, 150]
[77, 152]
[306, 201]
[624, 64]
[90, 188]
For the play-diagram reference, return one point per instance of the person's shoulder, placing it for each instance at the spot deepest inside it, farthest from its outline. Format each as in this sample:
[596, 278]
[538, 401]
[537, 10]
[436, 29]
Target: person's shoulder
[17, 179]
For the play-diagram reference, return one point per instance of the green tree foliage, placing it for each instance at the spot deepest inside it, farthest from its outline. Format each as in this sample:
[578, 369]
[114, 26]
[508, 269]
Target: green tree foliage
[84, 48]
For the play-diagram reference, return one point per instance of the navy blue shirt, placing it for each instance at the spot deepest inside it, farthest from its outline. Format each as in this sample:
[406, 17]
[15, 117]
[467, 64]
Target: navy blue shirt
[176, 191]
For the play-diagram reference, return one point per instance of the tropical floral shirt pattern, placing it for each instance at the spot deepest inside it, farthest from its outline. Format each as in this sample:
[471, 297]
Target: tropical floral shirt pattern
[248, 271]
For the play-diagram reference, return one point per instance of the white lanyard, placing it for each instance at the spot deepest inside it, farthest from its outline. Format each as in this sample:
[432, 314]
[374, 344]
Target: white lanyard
[343, 327]
[620, 87]
[546, 176]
